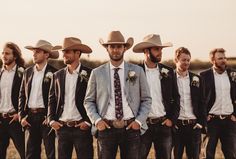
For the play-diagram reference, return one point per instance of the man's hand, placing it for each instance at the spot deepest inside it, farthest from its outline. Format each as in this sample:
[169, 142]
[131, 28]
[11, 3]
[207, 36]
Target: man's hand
[233, 118]
[167, 122]
[15, 117]
[25, 123]
[102, 125]
[56, 125]
[134, 125]
[83, 126]
[197, 126]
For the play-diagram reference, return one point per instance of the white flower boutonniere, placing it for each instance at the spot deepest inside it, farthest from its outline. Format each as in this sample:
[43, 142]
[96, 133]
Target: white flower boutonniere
[48, 76]
[83, 76]
[20, 71]
[233, 76]
[131, 77]
[164, 72]
[195, 81]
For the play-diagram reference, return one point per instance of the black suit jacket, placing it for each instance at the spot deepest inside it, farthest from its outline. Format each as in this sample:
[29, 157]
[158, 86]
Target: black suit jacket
[209, 88]
[170, 94]
[26, 88]
[57, 94]
[197, 100]
[15, 87]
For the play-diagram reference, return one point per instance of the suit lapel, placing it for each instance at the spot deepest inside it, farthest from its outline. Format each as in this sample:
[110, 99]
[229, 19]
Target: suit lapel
[62, 84]
[78, 83]
[107, 76]
[30, 78]
[126, 72]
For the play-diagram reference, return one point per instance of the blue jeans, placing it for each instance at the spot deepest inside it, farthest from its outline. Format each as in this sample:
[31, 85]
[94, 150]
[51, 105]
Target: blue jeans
[127, 140]
[161, 136]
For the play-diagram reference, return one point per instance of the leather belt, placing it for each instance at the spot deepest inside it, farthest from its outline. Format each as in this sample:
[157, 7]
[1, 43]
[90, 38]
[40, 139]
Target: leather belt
[221, 117]
[7, 115]
[37, 110]
[186, 122]
[70, 123]
[119, 123]
[156, 120]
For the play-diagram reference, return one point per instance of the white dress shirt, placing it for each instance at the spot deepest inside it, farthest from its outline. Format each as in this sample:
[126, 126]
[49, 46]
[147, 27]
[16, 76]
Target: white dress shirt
[154, 83]
[186, 108]
[223, 103]
[127, 112]
[70, 111]
[6, 90]
[36, 94]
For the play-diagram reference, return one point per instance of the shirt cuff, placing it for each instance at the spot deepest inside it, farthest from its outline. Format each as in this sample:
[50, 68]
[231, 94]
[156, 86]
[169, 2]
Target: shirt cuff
[88, 123]
[97, 121]
[140, 124]
[51, 122]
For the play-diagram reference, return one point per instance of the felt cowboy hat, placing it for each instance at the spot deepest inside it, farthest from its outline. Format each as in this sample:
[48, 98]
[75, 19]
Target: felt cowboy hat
[45, 46]
[151, 40]
[72, 43]
[115, 37]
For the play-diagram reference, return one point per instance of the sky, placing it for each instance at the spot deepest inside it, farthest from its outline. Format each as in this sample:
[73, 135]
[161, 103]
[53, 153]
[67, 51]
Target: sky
[199, 25]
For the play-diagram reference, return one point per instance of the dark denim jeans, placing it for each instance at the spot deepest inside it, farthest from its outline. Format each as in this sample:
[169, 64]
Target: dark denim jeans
[34, 136]
[189, 138]
[225, 130]
[161, 136]
[13, 131]
[82, 140]
[128, 142]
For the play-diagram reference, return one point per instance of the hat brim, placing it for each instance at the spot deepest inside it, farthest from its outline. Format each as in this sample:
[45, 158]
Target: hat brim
[129, 43]
[138, 48]
[81, 47]
[52, 53]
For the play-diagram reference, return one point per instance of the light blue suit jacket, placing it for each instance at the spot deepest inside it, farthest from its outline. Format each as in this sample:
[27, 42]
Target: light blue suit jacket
[99, 90]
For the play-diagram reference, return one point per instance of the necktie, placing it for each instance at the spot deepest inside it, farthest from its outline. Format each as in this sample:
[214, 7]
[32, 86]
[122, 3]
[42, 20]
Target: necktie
[118, 95]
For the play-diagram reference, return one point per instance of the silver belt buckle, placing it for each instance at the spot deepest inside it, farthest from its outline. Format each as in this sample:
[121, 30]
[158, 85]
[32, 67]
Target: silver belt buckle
[118, 123]
[222, 118]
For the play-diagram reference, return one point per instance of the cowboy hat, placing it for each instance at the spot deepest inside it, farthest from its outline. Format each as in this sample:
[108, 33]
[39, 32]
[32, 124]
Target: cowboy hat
[115, 37]
[72, 43]
[151, 40]
[45, 46]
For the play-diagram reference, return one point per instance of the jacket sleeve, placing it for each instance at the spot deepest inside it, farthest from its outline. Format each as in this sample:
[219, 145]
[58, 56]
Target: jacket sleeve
[52, 102]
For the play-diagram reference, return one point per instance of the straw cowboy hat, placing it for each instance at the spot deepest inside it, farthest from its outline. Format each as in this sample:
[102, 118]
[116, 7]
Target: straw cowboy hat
[72, 43]
[46, 46]
[151, 40]
[115, 37]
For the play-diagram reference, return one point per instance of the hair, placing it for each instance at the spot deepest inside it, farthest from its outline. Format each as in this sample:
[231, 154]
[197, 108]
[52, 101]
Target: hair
[214, 51]
[16, 53]
[181, 50]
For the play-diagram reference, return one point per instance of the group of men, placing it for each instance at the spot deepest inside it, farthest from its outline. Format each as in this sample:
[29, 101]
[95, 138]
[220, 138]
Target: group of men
[123, 105]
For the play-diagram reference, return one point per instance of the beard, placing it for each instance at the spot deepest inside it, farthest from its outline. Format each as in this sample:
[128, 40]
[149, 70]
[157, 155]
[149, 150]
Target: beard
[117, 57]
[8, 62]
[221, 67]
[153, 58]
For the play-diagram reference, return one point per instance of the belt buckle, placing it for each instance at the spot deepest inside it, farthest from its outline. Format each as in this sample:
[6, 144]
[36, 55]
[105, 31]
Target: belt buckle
[222, 118]
[70, 124]
[185, 122]
[118, 123]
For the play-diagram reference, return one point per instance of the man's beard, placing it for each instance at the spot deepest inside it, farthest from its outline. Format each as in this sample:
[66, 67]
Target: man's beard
[9, 62]
[153, 58]
[221, 68]
[116, 59]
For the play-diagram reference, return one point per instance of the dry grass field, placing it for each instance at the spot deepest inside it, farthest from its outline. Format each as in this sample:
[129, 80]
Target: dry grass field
[12, 154]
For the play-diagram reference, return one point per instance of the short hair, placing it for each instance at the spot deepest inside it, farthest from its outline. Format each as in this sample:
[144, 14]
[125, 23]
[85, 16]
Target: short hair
[16, 53]
[181, 50]
[214, 51]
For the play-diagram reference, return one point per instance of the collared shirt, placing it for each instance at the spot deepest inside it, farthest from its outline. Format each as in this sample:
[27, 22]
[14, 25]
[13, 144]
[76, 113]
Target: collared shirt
[154, 83]
[36, 94]
[70, 111]
[110, 114]
[186, 108]
[6, 90]
[223, 103]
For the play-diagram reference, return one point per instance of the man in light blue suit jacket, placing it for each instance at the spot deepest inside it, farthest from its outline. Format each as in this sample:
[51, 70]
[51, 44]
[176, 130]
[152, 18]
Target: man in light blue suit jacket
[118, 101]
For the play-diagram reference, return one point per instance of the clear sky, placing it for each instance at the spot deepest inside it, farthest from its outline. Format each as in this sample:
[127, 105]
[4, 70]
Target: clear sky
[199, 25]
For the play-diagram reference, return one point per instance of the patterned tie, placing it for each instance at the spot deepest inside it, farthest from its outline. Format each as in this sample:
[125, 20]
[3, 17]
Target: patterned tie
[118, 95]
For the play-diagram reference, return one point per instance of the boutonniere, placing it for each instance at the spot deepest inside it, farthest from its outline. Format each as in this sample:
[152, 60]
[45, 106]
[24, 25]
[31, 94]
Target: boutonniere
[20, 71]
[131, 77]
[233, 76]
[48, 76]
[195, 81]
[164, 72]
[83, 76]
